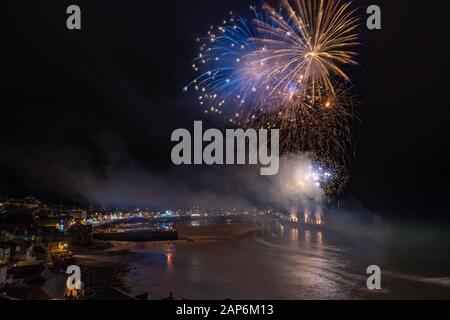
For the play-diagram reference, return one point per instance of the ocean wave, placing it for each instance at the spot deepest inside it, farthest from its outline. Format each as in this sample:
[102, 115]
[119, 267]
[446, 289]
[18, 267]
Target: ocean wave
[439, 281]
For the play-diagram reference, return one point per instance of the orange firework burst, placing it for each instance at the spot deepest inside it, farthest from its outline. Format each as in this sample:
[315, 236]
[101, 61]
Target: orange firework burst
[304, 46]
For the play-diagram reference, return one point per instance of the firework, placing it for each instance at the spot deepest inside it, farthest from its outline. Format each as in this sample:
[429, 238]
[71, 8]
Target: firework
[285, 68]
[302, 185]
[276, 57]
[227, 74]
[304, 46]
[322, 129]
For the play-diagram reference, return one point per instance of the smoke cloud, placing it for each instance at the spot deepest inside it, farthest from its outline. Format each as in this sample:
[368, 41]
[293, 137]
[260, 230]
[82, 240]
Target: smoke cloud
[116, 179]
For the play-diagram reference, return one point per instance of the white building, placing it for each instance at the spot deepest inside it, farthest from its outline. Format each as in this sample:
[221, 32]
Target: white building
[3, 275]
[5, 254]
[78, 214]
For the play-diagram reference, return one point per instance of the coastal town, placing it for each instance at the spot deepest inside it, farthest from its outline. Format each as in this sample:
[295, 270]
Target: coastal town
[38, 241]
[35, 240]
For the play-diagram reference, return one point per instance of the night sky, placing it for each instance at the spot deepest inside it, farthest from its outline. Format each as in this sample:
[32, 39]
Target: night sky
[83, 105]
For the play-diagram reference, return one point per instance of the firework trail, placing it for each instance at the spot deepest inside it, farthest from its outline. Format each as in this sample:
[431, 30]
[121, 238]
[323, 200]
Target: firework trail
[285, 68]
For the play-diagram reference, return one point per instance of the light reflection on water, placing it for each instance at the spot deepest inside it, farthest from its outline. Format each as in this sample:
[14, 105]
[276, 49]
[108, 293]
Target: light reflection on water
[195, 223]
[319, 238]
[170, 261]
[294, 234]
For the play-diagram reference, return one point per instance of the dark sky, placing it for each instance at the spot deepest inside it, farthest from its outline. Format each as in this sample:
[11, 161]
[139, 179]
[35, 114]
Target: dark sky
[84, 104]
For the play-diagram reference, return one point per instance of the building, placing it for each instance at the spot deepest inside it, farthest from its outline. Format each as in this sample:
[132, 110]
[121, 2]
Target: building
[31, 203]
[6, 252]
[3, 274]
[79, 235]
[78, 214]
[60, 223]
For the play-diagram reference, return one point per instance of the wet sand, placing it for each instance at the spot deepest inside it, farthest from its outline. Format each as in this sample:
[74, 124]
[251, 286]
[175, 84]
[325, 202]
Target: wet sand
[112, 261]
[193, 236]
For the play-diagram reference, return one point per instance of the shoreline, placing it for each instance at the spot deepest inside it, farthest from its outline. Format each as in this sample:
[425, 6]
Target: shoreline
[191, 236]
